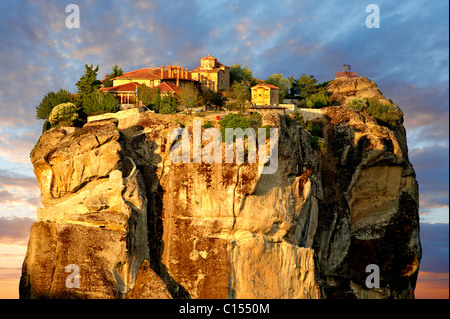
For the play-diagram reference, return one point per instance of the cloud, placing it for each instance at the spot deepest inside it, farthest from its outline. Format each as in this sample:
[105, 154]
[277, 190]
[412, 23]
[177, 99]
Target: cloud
[435, 251]
[242, 27]
[17, 143]
[432, 286]
[19, 194]
[433, 274]
[431, 165]
[15, 230]
[424, 106]
[407, 57]
[10, 180]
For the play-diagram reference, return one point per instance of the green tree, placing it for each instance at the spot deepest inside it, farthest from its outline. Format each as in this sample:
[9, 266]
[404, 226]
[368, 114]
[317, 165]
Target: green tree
[292, 87]
[319, 99]
[234, 121]
[240, 92]
[116, 71]
[306, 85]
[88, 83]
[189, 97]
[212, 98]
[150, 97]
[157, 101]
[238, 73]
[279, 81]
[50, 100]
[64, 113]
[168, 105]
[98, 102]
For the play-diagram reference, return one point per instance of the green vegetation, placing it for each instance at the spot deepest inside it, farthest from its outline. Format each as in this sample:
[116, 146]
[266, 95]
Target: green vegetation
[385, 114]
[241, 80]
[256, 119]
[240, 121]
[357, 104]
[241, 74]
[305, 86]
[317, 142]
[98, 102]
[298, 117]
[240, 93]
[51, 100]
[116, 71]
[207, 124]
[46, 126]
[150, 97]
[212, 98]
[311, 93]
[288, 121]
[88, 83]
[234, 121]
[167, 105]
[280, 82]
[189, 97]
[318, 100]
[314, 95]
[313, 129]
[64, 114]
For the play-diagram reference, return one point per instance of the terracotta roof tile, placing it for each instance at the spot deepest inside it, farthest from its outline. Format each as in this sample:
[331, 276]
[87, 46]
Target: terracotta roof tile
[144, 74]
[266, 85]
[208, 57]
[127, 87]
[168, 87]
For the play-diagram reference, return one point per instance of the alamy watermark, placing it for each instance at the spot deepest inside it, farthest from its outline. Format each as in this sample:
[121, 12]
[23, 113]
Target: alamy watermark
[73, 280]
[373, 19]
[373, 280]
[73, 19]
[180, 151]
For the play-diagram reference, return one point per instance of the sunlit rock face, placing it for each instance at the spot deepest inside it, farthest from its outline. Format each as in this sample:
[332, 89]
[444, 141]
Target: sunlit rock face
[138, 225]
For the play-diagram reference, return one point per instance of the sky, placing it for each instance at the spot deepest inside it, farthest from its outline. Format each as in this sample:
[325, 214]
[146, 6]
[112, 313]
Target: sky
[407, 56]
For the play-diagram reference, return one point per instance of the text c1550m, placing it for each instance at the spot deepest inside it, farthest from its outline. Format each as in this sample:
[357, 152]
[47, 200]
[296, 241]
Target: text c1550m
[246, 308]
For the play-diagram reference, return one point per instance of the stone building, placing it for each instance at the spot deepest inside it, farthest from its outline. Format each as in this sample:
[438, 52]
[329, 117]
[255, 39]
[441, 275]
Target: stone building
[265, 94]
[211, 74]
[170, 80]
[154, 76]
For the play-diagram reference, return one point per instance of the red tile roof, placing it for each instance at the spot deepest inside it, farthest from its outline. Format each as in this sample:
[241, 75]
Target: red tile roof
[127, 87]
[152, 74]
[266, 85]
[166, 87]
[219, 65]
[208, 57]
[142, 74]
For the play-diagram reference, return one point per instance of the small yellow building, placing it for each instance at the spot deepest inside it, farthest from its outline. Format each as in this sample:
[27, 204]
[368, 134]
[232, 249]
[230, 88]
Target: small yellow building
[265, 94]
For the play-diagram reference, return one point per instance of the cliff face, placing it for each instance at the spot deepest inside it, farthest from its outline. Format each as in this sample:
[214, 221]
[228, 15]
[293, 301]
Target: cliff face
[138, 225]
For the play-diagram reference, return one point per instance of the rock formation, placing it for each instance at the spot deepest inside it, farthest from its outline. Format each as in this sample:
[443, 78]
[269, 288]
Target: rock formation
[140, 226]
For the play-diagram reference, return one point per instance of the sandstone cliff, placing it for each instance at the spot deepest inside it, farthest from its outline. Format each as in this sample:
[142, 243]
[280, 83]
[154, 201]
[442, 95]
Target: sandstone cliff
[140, 226]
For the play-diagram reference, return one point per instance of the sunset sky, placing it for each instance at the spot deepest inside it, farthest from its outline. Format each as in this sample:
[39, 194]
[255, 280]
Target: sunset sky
[408, 58]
